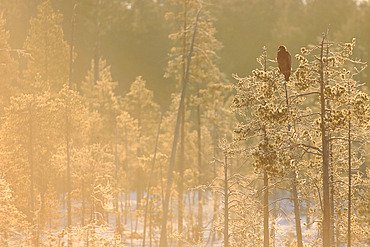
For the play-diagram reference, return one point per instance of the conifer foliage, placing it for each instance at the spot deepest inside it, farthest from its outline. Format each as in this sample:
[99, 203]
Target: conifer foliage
[48, 49]
[93, 153]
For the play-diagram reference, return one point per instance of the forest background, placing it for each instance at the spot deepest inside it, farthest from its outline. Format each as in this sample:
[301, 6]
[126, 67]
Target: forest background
[90, 97]
[134, 34]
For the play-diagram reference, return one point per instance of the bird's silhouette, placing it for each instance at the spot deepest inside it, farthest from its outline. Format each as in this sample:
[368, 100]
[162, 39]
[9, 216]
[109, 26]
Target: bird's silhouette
[284, 62]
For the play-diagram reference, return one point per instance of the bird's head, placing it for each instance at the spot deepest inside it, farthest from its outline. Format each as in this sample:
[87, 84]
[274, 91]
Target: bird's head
[282, 48]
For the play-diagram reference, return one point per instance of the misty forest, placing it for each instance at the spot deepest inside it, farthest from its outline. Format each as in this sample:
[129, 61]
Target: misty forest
[184, 123]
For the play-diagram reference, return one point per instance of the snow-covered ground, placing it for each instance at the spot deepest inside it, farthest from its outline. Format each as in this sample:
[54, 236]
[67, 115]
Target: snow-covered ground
[282, 223]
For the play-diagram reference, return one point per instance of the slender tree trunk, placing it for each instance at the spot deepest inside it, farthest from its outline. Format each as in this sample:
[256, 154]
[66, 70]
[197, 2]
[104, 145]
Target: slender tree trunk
[215, 194]
[127, 195]
[325, 156]
[308, 204]
[116, 205]
[181, 180]
[294, 189]
[266, 237]
[193, 218]
[138, 153]
[46, 58]
[200, 192]
[170, 232]
[226, 212]
[182, 140]
[97, 44]
[331, 177]
[32, 178]
[83, 204]
[72, 44]
[69, 179]
[136, 216]
[131, 225]
[331, 167]
[266, 231]
[190, 215]
[150, 179]
[349, 184]
[163, 237]
[150, 226]
[296, 212]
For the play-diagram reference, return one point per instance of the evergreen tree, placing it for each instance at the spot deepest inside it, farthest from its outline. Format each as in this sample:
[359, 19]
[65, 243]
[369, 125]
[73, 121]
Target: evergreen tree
[203, 71]
[101, 98]
[258, 103]
[344, 115]
[138, 102]
[13, 224]
[8, 68]
[71, 120]
[29, 138]
[45, 43]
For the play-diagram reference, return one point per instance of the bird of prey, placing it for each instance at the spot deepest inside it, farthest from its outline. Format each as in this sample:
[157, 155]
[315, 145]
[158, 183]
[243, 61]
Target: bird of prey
[284, 62]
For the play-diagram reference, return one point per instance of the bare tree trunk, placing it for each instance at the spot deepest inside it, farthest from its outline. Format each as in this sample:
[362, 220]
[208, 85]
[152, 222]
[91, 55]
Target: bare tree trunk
[97, 44]
[32, 178]
[181, 180]
[215, 194]
[325, 155]
[72, 43]
[171, 220]
[69, 179]
[331, 178]
[190, 214]
[182, 141]
[127, 195]
[163, 237]
[150, 179]
[226, 212]
[46, 58]
[150, 226]
[131, 225]
[116, 205]
[83, 204]
[200, 170]
[296, 212]
[297, 215]
[266, 237]
[349, 182]
[266, 231]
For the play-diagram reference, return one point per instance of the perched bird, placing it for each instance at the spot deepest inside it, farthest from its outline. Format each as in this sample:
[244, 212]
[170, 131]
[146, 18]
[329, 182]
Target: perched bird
[284, 62]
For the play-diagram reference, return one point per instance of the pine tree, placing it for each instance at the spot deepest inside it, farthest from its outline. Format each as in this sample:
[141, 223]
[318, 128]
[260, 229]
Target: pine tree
[71, 119]
[13, 222]
[49, 51]
[28, 142]
[8, 68]
[138, 102]
[339, 95]
[163, 237]
[203, 69]
[100, 98]
[128, 134]
[258, 103]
